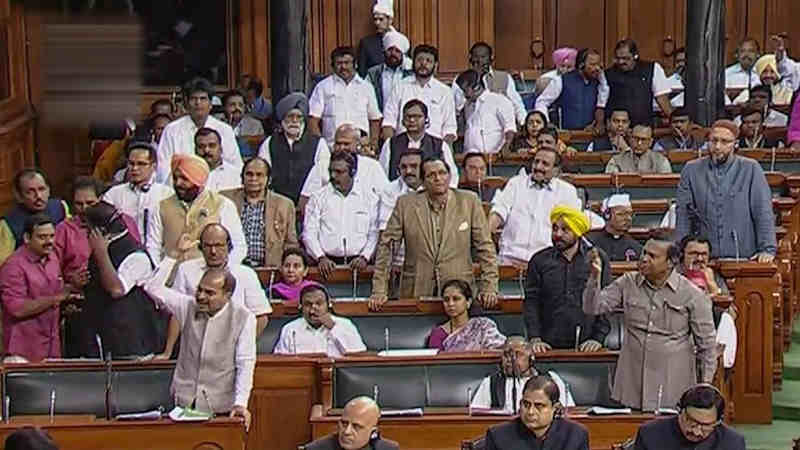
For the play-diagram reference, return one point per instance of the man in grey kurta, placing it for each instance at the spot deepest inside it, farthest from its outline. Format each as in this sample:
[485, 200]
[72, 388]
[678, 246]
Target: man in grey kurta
[668, 328]
[726, 197]
[640, 158]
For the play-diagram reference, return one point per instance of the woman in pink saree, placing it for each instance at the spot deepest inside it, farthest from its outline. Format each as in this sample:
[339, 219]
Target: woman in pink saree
[462, 333]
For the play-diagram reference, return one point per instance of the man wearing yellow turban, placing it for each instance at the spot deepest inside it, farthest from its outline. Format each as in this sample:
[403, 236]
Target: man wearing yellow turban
[176, 223]
[780, 81]
[554, 288]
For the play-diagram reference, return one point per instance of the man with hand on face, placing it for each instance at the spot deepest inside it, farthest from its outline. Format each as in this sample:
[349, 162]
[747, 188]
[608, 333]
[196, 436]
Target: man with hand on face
[614, 239]
[318, 331]
[214, 244]
[179, 135]
[385, 77]
[369, 174]
[681, 138]
[726, 198]
[32, 291]
[516, 366]
[31, 196]
[581, 94]
[214, 371]
[635, 83]
[415, 121]
[490, 123]
[442, 228]
[423, 86]
[179, 219]
[698, 425]
[268, 218]
[668, 328]
[341, 221]
[292, 151]
[523, 207]
[141, 194]
[344, 97]
[640, 158]
[223, 176]
[481, 59]
[617, 134]
[234, 104]
[752, 130]
[358, 429]
[541, 423]
[554, 285]
[761, 98]
[116, 308]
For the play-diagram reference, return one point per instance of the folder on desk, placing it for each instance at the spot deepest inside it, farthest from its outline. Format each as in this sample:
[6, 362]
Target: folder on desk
[401, 412]
[410, 352]
[147, 415]
[602, 411]
[490, 412]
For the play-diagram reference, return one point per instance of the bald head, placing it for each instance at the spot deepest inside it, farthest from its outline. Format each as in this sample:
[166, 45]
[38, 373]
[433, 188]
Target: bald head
[516, 351]
[347, 129]
[359, 420]
[346, 138]
[214, 244]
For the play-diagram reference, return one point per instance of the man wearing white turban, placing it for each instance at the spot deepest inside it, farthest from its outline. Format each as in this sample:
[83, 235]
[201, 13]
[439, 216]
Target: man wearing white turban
[370, 48]
[386, 76]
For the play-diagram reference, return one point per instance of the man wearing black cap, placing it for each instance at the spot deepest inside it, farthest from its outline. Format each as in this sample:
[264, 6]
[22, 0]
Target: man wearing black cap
[292, 152]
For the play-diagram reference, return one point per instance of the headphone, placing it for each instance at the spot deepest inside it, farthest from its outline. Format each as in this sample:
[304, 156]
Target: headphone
[374, 436]
[719, 401]
[353, 167]
[581, 58]
[319, 287]
[227, 234]
[674, 254]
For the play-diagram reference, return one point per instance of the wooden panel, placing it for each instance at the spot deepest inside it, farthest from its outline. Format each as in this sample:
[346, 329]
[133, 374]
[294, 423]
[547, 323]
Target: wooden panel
[779, 20]
[514, 31]
[591, 31]
[452, 34]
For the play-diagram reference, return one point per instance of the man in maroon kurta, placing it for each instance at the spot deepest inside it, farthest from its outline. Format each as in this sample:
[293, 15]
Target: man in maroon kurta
[32, 291]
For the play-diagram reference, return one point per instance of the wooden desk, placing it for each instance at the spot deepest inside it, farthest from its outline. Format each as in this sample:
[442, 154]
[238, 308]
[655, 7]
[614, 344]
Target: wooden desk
[82, 432]
[447, 428]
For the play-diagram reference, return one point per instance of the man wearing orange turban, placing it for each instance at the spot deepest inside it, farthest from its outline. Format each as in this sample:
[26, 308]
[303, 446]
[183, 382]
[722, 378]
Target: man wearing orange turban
[176, 223]
[554, 288]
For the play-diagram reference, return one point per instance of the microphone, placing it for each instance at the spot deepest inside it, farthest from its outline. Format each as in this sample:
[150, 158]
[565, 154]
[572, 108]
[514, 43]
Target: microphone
[99, 346]
[515, 372]
[271, 281]
[577, 337]
[521, 285]
[772, 163]
[8, 408]
[483, 147]
[469, 400]
[355, 282]
[660, 394]
[146, 220]
[375, 393]
[109, 387]
[386, 339]
[344, 245]
[736, 243]
[438, 282]
[480, 188]
[294, 342]
[208, 401]
[52, 404]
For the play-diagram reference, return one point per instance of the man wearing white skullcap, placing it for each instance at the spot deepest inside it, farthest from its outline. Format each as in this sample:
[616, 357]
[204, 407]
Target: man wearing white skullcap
[386, 76]
[614, 238]
[370, 48]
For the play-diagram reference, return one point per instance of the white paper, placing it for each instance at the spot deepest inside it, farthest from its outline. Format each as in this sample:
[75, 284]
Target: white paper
[177, 415]
[667, 411]
[148, 415]
[490, 412]
[601, 411]
[402, 412]
[410, 352]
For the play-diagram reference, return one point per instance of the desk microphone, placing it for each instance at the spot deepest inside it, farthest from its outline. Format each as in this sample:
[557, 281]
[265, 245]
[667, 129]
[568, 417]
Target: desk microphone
[8, 408]
[146, 219]
[52, 404]
[736, 243]
[386, 339]
[355, 282]
[577, 337]
[294, 342]
[208, 401]
[271, 281]
[344, 245]
[469, 400]
[375, 393]
[515, 372]
[480, 189]
[99, 346]
[109, 386]
[772, 163]
[521, 285]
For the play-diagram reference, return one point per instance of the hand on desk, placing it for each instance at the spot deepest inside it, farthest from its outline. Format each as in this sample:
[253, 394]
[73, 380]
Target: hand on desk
[358, 263]
[241, 411]
[539, 346]
[326, 267]
[488, 299]
[763, 257]
[376, 302]
[591, 346]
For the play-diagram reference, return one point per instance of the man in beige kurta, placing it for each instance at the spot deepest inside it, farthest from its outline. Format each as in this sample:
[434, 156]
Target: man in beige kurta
[666, 320]
[442, 228]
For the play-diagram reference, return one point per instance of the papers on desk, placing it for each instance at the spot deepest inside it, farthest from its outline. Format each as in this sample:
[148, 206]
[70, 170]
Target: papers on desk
[601, 411]
[149, 415]
[490, 412]
[410, 352]
[401, 412]
[179, 414]
[665, 411]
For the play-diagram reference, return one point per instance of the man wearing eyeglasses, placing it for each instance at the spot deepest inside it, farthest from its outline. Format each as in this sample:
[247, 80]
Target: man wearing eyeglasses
[698, 425]
[614, 239]
[639, 158]
[726, 197]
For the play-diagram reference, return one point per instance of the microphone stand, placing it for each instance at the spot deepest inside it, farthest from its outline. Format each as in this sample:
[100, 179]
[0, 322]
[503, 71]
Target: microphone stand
[344, 245]
[271, 281]
[355, 283]
[108, 386]
[515, 371]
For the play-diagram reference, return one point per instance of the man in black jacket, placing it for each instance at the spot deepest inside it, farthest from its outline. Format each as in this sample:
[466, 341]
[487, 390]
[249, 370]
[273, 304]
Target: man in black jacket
[698, 425]
[358, 429]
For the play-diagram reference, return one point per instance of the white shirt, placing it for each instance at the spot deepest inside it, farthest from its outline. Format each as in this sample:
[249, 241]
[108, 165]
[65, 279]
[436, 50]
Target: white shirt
[676, 84]
[660, 85]
[228, 217]
[248, 293]
[133, 270]
[323, 152]
[511, 93]
[136, 203]
[487, 121]
[224, 177]
[178, 137]
[436, 96]
[390, 79]
[178, 304]
[299, 337]
[369, 173]
[447, 155]
[726, 334]
[483, 397]
[736, 77]
[553, 91]
[332, 217]
[525, 210]
[337, 102]
[774, 119]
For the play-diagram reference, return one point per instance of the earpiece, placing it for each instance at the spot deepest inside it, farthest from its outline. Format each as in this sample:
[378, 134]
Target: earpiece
[719, 402]
[228, 241]
[375, 435]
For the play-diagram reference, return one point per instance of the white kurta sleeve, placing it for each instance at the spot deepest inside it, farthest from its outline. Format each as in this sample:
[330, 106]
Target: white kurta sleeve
[166, 148]
[516, 100]
[263, 150]
[346, 337]
[155, 229]
[447, 155]
[483, 396]
[503, 201]
[603, 91]
[385, 157]
[549, 95]
[245, 362]
[176, 302]
[255, 298]
[661, 85]
[133, 270]
[311, 226]
[230, 148]
[726, 334]
[229, 217]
